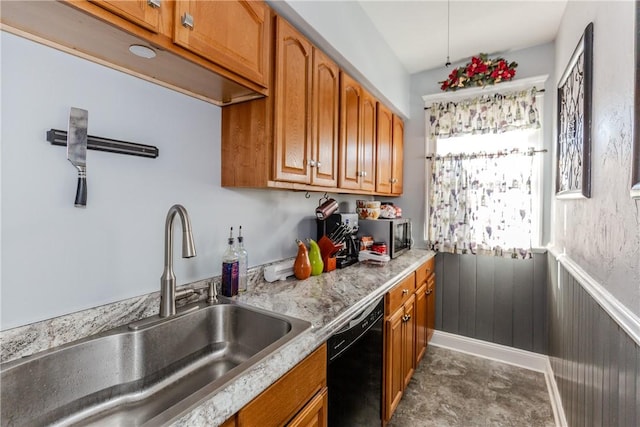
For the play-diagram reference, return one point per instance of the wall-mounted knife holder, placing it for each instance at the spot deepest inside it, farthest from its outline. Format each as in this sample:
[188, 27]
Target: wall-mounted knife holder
[59, 137]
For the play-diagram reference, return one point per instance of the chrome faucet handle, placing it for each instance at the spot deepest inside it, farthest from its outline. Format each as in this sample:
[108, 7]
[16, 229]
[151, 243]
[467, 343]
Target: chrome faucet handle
[183, 293]
[213, 293]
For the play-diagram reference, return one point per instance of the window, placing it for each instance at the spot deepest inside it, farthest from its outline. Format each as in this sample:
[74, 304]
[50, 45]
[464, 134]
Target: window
[485, 192]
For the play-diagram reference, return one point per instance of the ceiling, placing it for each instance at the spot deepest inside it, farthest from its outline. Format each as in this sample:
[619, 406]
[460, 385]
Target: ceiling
[417, 30]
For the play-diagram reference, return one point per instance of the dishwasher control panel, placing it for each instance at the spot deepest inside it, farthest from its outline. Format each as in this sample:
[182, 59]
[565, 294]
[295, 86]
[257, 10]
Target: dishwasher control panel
[356, 328]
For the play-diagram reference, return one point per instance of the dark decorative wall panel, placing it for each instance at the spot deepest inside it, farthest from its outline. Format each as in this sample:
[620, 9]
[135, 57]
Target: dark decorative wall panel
[494, 299]
[595, 362]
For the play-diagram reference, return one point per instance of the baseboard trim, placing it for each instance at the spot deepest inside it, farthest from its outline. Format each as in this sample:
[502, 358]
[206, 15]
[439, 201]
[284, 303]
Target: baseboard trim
[554, 394]
[512, 356]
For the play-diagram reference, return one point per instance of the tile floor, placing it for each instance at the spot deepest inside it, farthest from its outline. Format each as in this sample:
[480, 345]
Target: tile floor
[450, 388]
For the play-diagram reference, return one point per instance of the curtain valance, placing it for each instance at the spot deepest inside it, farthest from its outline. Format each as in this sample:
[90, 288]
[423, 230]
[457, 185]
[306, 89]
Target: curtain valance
[484, 114]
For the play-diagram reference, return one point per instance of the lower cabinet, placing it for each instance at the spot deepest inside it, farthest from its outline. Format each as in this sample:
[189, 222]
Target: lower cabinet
[409, 325]
[431, 306]
[297, 399]
[315, 413]
[425, 306]
[399, 343]
[422, 311]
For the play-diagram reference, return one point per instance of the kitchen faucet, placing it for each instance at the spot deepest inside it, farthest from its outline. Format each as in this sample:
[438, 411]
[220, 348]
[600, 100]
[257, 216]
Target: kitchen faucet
[168, 294]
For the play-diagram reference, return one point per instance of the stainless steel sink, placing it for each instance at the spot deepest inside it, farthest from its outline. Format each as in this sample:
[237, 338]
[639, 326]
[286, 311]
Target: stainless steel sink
[127, 377]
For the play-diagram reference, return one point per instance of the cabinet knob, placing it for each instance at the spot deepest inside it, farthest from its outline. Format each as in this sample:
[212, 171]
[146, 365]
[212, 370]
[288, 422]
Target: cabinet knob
[318, 164]
[364, 173]
[153, 3]
[405, 291]
[312, 163]
[406, 317]
[187, 21]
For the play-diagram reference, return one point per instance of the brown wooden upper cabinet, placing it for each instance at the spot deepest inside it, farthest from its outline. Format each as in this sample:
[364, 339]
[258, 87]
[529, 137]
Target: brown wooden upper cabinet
[397, 186]
[325, 120]
[293, 83]
[145, 13]
[234, 34]
[357, 137]
[223, 59]
[307, 92]
[290, 139]
[390, 135]
[384, 144]
[316, 132]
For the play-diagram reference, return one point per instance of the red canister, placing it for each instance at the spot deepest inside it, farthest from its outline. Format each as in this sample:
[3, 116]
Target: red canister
[380, 247]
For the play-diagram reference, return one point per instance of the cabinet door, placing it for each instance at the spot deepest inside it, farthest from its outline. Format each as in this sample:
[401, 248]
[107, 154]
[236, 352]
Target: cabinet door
[233, 33]
[282, 400]
[393, 372]
[231, 422]
[421, 322]
[292, 133]
[315, 413]
[326, 98]
[409, 341]
[384, 141]
[368, 143]
[145, 13]
[397, 167]
[350, 102]
[431, 306]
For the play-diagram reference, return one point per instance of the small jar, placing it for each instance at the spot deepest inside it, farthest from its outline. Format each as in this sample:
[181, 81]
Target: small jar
[380, 247]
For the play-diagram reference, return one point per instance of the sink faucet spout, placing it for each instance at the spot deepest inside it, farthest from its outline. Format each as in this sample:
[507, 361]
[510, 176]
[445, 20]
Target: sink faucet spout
[168, 279]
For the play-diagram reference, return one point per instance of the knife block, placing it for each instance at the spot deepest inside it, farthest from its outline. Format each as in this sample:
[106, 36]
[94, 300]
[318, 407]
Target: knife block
[329, 263]
[328, 248]
[327, 251]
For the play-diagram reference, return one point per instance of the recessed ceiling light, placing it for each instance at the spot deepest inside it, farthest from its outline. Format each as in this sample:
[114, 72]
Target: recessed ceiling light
[142, 51]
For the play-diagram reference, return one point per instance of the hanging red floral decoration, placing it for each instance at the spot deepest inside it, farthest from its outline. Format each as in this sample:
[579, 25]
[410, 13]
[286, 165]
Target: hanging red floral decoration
[481, 71]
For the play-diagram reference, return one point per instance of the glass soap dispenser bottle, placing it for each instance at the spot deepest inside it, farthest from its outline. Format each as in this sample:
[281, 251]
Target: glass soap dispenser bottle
[243, 263]
[230, 269]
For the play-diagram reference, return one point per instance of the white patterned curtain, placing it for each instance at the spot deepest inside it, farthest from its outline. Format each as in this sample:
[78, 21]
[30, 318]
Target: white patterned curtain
[481, 203]
[484, 114]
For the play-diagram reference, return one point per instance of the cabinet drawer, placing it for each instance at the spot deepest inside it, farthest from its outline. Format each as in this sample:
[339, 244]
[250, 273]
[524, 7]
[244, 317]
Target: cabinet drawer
[400, 294]
[282, 400]
[423, 272]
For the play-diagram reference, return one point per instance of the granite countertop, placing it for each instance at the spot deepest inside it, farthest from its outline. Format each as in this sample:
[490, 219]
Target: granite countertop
[327, 301]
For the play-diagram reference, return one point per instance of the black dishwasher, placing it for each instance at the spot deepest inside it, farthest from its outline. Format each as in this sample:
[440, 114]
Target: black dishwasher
[355, 370]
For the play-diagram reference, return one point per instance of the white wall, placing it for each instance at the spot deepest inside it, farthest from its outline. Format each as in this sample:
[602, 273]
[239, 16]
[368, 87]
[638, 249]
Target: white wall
[532, 62]
[602, 233]
[58, 259]
[345, 32]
